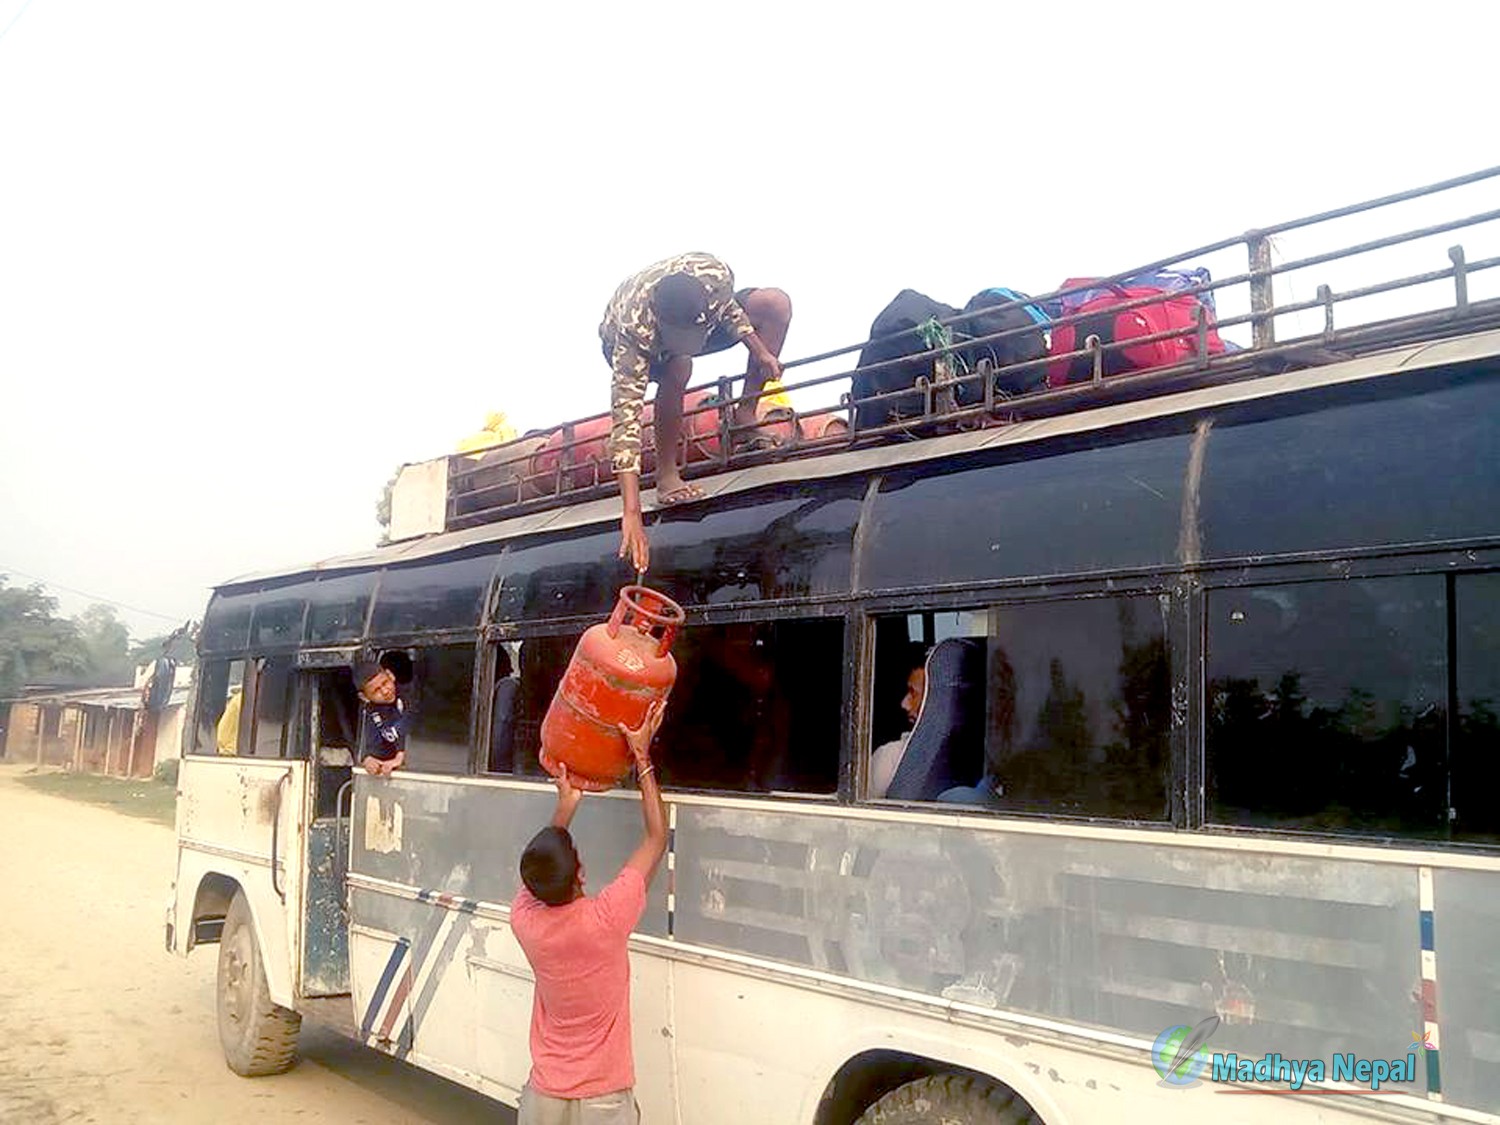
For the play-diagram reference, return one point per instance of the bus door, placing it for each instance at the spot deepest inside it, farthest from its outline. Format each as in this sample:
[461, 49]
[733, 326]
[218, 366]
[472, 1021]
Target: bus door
[242, 799]
[328, 729]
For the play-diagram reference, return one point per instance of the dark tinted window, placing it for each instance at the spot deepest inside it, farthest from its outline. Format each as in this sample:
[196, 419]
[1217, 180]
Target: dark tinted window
[1067, 706]
[756, 707]
[505, 709]
[278, 618]
[434, 595]
[273, 700]
[1326, 705]
[1476, 751]
[441, 689]
[337, 606]
[226, 624]
[1110, 506]
[543, 660]
[761, 547]
[218, 722]
[1400, 470]
[572, 577]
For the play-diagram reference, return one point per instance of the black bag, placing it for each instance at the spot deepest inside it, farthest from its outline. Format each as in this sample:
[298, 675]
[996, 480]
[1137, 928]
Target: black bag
[903, 315]
[1007, 350]
[159, 687]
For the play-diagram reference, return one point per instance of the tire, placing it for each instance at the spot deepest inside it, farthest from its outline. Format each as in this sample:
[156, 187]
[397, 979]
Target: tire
[950, 1099]
[257, 1036]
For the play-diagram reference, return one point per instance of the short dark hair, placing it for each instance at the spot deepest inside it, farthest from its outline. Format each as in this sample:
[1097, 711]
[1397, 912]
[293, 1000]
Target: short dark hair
[549, 866]
[365, 671]
[680, 300]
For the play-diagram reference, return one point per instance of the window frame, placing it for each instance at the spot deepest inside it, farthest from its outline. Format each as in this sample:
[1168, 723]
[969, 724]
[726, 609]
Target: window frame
[1182, 602]
[1433, 560]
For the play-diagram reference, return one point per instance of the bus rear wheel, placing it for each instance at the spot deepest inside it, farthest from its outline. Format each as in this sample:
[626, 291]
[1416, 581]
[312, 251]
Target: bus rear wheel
[950, 1099]
[258, 1037]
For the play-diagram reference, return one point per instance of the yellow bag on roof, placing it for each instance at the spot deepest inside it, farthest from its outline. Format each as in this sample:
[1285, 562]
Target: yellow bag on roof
[773, 397]
[497, 430]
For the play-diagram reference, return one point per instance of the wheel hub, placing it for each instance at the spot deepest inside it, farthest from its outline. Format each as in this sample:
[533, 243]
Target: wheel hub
[236, 982]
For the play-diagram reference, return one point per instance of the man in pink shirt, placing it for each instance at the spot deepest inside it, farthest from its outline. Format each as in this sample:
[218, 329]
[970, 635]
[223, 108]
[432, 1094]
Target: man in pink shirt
[582, 1068]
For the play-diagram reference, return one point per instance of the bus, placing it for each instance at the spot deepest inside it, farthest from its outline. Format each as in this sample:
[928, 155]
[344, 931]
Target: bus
[1202, 789]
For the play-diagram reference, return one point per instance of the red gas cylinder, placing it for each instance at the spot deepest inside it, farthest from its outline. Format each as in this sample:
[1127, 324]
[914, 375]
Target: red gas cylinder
[618, 670]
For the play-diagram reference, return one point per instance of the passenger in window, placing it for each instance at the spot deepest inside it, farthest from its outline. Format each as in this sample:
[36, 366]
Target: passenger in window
[227, 733]
[389, 717]
[887, 757]
[656, 322]
[582, 1068]
[503, 714]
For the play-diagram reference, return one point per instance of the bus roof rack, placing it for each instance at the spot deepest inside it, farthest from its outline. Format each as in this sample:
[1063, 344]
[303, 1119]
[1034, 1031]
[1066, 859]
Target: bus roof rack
[569, 463]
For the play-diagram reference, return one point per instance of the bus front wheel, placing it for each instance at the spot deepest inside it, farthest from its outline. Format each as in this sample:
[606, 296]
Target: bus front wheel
[950, 1097]
[258, 1037]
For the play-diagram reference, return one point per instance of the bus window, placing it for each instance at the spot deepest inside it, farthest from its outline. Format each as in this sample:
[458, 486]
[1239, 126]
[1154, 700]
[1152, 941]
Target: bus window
[273, 696]
[756, 707]
[278, 618]
[540, 665]
[1326, 707]
[226, 624]
[1059, 707]
[504, 710]
[433, 595]
[218, 726]
[336, 608]
[1476, 759]
[442, 683]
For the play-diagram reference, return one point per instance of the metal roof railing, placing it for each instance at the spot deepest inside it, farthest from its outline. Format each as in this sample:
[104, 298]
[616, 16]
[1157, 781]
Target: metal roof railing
[569, 463]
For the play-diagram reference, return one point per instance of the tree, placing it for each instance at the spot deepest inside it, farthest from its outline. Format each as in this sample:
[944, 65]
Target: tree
[178, 645]
[108, 644]
[36, 644]
[383, 509]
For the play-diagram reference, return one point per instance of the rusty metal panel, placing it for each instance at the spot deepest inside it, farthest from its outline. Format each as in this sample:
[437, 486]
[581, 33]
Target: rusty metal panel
[1466, 918]
[325, 944]
[1299, 956]
[466, 839]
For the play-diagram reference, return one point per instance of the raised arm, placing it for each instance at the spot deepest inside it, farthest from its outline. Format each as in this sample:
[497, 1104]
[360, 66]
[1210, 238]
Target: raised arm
[647, 856]
[568, 798]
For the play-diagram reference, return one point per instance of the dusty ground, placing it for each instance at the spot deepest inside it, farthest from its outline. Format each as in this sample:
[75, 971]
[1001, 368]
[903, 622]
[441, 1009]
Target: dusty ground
[98, 1023]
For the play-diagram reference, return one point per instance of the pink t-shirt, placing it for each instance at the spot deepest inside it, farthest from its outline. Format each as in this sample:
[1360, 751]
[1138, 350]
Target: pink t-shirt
[580, 1010]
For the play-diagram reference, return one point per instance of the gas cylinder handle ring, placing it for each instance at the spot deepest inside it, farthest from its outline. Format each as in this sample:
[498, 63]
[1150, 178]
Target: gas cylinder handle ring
[668, 615]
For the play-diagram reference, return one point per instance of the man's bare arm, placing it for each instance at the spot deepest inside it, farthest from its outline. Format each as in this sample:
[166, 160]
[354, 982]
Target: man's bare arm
[633, 542]
[568, 798]
[647, 856]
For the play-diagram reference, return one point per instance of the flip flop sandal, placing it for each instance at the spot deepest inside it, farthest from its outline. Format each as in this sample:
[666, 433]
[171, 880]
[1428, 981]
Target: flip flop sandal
[684, 495]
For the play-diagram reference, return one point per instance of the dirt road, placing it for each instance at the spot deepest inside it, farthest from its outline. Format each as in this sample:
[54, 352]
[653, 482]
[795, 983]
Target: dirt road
[98, 1023]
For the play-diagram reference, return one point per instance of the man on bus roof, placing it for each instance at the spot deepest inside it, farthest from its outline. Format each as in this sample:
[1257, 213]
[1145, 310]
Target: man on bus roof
[582, 1066]
[656, 322]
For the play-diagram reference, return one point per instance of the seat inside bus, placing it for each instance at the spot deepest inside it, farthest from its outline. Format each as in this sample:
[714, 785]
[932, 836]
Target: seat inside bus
[946, 748]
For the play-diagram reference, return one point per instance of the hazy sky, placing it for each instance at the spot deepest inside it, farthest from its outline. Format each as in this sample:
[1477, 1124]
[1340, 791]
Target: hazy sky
[253, 257]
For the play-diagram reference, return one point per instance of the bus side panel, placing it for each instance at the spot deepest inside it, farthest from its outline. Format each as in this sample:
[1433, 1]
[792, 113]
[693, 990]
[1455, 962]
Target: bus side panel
[1296, 955]
[784, 1043]
[225, 808]
[1465, 920]
[265, 908]
[433, 860]
[465, 838]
